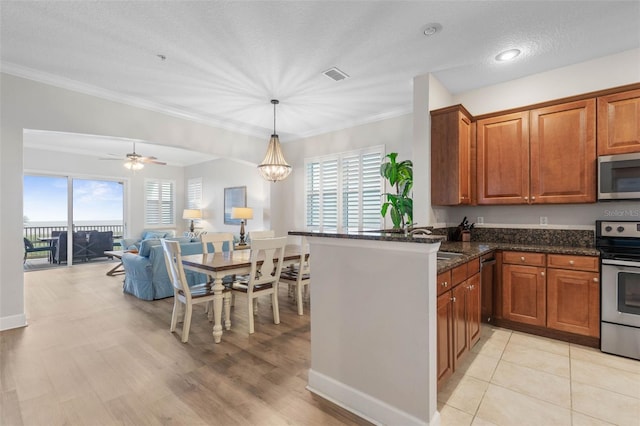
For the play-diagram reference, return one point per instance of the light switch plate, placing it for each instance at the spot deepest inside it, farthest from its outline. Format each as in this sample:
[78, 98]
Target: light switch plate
[544, 220]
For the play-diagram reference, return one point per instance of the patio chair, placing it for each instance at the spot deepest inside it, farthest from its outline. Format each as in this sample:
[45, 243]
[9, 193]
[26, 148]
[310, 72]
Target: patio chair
[29, 248]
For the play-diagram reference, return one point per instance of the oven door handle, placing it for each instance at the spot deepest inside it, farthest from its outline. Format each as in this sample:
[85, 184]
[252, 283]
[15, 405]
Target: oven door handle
[620, 262]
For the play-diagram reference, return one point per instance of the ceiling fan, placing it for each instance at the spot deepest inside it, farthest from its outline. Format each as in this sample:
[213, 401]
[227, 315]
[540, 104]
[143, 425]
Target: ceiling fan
[135, 161]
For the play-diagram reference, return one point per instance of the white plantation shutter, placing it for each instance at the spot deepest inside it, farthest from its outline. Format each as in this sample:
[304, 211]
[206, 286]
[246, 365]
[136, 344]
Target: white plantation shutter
[159, 202]
[312, 189]
[194, 196]
[372, 188]
[343, 191]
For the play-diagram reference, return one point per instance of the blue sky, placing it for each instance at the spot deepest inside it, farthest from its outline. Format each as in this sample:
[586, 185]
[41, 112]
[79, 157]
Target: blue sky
[45, 199]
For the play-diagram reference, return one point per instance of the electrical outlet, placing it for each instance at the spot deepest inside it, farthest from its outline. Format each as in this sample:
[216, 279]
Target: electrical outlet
[544, 220]
[480, 220]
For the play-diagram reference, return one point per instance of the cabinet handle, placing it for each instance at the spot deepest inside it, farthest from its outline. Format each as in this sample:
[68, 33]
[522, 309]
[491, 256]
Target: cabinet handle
[533, 198]
[542, 273]
[444, 284]
[595, 280]
[453, 299]
[571, 262]
[526, 198]
[522, 258]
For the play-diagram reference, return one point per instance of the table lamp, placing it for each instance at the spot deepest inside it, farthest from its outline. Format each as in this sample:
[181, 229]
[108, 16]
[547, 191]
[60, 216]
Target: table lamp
[242, 213]
[192, 214]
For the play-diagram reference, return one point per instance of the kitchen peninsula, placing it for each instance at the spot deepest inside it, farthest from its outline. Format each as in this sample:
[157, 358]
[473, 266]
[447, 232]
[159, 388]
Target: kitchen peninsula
[373, 328]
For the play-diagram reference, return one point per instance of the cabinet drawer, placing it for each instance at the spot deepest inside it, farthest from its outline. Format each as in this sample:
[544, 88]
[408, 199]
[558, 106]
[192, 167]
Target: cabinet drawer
[524, 258]
[565, 261]
[459, 274]
[444, 282]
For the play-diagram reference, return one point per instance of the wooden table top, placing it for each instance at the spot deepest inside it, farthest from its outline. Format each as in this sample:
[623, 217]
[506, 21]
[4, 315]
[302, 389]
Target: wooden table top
[225, 260]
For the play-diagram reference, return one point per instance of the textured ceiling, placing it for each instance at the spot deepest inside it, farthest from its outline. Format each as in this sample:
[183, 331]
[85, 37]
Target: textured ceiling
[226, 59]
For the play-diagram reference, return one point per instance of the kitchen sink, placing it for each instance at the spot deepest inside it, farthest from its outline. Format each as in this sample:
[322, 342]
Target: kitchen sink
[447, 255]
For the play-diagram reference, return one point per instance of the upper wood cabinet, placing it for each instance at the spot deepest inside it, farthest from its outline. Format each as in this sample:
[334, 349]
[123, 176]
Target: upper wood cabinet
[503, 159]
[546, 155]
[450, 156]
[563, 153]
[619, 123]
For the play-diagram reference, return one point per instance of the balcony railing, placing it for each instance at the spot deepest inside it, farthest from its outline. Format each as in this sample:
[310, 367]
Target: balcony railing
[35, 233]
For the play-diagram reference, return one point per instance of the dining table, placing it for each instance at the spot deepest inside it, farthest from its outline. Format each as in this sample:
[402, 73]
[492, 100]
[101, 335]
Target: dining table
[221, 264]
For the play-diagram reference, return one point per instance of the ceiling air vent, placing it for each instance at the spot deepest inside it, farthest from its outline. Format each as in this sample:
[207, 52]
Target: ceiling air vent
[335, 74]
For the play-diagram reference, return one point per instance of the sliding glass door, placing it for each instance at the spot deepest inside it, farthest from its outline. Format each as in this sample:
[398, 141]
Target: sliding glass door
[55, 204]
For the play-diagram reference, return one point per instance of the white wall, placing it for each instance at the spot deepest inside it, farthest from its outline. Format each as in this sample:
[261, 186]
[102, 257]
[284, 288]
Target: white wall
[223, 173]
[288, 196]
[26, 104]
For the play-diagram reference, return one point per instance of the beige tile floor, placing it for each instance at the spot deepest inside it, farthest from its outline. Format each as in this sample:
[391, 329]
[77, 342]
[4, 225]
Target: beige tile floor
[513, 378]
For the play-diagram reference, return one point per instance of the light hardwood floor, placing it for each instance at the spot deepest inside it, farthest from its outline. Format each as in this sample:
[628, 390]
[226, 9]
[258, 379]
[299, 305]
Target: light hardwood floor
[93, 355]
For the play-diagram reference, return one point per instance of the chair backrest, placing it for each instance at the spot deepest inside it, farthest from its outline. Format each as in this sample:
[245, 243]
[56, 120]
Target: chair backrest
[27, 244]
[173, 261]
[266, 250]
[257, 235]
[305, 257]
[217, 240]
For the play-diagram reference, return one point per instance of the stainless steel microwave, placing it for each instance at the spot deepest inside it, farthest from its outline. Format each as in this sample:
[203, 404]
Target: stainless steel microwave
[619, 177]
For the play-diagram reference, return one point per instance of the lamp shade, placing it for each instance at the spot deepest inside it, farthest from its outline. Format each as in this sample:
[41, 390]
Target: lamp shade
[242, 213]
[192, 214]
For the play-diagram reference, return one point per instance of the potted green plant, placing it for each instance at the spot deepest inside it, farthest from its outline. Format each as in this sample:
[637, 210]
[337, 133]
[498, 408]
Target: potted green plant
[400, 177]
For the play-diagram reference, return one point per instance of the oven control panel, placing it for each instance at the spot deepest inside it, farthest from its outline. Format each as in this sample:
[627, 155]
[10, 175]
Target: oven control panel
[626, 229]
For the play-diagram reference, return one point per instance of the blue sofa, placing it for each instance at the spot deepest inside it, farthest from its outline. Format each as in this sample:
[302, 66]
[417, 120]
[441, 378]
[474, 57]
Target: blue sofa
[146, 274]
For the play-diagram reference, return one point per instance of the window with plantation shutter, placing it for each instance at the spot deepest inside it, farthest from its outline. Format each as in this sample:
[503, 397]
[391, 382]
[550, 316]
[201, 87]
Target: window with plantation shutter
[343, 191]
[194, 196]
[159, 203]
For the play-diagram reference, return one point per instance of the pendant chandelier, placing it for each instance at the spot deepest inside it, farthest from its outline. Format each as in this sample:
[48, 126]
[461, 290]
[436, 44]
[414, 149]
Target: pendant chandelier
[274, 167]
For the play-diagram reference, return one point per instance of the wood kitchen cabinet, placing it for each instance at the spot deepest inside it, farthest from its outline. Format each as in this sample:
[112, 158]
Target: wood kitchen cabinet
[573, 294]
[445, 337]
[563, 153]
[524, 288]
[450, 156]
[619, 123]
[543, 156]
[502, 145]
[458, 324]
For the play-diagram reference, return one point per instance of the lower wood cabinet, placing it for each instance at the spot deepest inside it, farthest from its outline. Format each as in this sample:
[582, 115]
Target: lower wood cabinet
[524, 294]
[458, 319]
[445, 337]
[573, 301]
[555, 291]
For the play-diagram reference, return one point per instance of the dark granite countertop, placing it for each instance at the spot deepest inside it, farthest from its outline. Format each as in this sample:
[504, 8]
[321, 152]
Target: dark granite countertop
[472, 250]
[469, 250]
[377, 236]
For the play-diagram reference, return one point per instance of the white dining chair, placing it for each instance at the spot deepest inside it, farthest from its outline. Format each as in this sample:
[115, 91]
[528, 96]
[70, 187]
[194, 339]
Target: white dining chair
[263, 278]
[217, 240]
[298, 276]
[185, 295]
[257, 235]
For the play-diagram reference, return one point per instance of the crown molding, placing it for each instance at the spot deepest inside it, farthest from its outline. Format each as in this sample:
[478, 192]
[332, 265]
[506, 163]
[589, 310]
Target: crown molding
[99, 92]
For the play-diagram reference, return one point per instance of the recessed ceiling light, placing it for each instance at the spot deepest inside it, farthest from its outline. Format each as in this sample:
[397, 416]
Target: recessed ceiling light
[507, 55]
[431, 29]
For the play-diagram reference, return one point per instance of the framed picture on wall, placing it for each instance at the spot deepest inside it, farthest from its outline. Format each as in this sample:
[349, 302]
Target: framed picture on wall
[234, 197]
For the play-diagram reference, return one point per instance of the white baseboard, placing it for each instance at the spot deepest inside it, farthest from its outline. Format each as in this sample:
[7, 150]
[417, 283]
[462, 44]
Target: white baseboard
[363, 405]
[13, 321]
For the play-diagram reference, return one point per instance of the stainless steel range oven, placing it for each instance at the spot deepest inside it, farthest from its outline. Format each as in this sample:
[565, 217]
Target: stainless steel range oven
[619, 245]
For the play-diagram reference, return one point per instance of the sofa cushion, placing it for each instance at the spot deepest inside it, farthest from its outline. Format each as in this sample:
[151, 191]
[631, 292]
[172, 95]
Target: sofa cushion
[145, 246]
[181, 240]
[154, 235]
